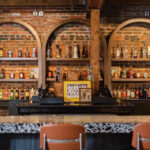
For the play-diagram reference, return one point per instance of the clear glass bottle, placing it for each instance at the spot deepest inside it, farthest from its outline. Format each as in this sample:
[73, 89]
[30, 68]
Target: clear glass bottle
[117, 52]
[125, 52]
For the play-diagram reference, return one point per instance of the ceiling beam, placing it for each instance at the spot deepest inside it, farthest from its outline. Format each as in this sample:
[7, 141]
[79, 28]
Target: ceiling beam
[95, 4]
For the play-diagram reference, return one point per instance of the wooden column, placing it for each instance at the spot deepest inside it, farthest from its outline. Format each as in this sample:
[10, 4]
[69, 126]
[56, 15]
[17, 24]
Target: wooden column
[95, 47]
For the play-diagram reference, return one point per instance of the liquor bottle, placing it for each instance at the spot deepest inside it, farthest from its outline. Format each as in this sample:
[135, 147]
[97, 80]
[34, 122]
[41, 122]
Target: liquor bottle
[117, 52]
[145, 75]
[22, 94]
[144, 92]
[124, 72]
[27, 94]
[148, 53]
[131, 54]
[75, 54]
[148, 93]
[121, 54]
[32, 92]
[57, 51]
[140, 93]
[132, 93]
[21, 75]
[34, 52]
[27, 53]
[12, 74]
[6, 93]
[50, 74]
[48, 51]
[128, 93]
[83, 51]
[135, 52]
[31, 75]
[37, 92]
[113, 55]
[141, 53]
[2, 75]
[137, 93]
[124, 93]
[125, 52]
[1, 52]
[84, 74]
[119, 92]
[12, 94]
[1, 93]
[137, 74]
[17, 94]
[144, 51]
[131, 72]
[10, 53]
[80, 77]
[19, 53]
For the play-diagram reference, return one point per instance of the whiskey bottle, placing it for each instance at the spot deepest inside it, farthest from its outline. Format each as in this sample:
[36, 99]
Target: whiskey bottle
[144, 51]
[21, 75]
[27, 94]
[83, 51]
[131, 72]
[6, 93]
[27, 53]
[17, 94]
[135, 52]
[124, 72]
[1, 52]
[12, 75]
[119, 93]
[19, 53]
[124, 93]
[132, 93]
[141, 53]
[31, 74]
[121, 54]
[1, 93]
[128, 93]
[12, 94]
[125, 52]
[2, 75]
[131, 54]
[113, 55]
[48, 51]
[117, 52]
[22, 94]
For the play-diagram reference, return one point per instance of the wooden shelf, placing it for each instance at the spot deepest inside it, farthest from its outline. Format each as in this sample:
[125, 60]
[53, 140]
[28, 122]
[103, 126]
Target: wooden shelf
[17, 59]
[50, 79]
[131, 59]
[68, 59]
[18, 80]
[131, 80]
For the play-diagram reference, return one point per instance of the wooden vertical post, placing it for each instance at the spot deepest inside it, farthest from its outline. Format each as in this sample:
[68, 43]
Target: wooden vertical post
[95, 47]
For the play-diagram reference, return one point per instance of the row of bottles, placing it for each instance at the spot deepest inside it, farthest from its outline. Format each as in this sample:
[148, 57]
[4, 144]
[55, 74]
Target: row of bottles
[61, 75]
[70, 52]
[130, 73]
[16, 94]
[133, 53]
[132, 93]
[12, 74]
[19, 53]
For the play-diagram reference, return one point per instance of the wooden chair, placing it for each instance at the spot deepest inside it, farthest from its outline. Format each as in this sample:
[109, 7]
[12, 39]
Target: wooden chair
[62, 137]
[141, 136]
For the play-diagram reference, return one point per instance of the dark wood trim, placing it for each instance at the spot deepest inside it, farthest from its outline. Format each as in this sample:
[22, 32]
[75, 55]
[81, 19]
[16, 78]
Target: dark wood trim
[18, 80]
[18, 59]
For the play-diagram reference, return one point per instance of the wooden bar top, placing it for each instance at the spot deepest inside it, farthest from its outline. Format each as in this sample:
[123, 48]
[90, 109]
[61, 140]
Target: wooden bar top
[74, 119]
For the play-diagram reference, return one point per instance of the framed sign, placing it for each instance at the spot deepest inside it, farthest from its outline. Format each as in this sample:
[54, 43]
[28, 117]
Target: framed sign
[85, 95]
[71, 90]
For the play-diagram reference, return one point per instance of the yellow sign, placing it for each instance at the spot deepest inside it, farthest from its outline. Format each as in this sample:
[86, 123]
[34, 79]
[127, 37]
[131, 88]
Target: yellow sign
[71, 90]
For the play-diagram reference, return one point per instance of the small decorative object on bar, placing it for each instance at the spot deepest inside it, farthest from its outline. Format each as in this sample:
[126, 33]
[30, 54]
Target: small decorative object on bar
[1, 52]
[71, 90]
[22, 94]
[75, 54]
[27, 53]
[34, 52]
[21, 75]
[85, 95]
[1, 93]
[57, 51]
[10, 53]
[12, 74]
[48, 51]
[19, 53]
[2, 75]
[12, 94]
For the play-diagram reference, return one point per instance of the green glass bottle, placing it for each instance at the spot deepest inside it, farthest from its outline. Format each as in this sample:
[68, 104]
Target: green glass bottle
[12, 94]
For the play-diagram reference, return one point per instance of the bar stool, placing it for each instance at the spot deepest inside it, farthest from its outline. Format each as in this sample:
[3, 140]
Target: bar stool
[141, 136]
[62, 137]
